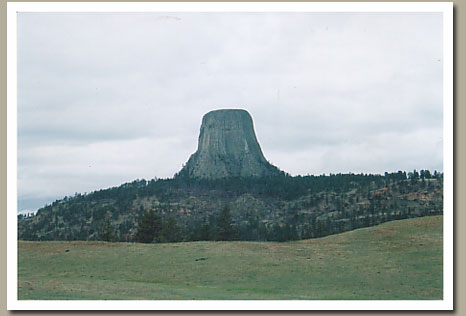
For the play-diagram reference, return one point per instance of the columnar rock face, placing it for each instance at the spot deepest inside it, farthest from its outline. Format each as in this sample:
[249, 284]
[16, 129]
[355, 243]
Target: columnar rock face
[228, 148]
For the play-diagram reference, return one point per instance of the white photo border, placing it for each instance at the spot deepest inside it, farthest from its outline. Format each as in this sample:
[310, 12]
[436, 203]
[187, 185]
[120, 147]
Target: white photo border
[446, 8]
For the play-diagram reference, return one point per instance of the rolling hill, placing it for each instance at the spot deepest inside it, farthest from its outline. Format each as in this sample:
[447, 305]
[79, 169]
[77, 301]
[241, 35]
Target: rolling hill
[399, 260]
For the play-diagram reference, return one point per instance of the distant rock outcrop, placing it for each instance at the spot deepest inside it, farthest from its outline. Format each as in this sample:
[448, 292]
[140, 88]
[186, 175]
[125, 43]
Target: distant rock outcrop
[228, 148]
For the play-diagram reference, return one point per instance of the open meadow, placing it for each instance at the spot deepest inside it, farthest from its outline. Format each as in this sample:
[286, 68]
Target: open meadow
[398, 260]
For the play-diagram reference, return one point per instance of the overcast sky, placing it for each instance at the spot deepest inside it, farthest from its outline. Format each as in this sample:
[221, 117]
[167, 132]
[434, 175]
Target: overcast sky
[105, 99]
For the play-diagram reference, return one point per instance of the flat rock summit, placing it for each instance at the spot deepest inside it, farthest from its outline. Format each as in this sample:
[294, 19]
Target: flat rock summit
[228, 147]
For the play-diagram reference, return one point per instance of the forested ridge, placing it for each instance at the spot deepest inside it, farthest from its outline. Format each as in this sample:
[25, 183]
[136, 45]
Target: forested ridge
[277, 208]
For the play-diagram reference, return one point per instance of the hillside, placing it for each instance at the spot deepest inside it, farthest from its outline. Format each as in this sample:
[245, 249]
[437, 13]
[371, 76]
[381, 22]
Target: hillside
[399, 260]
[263, 209]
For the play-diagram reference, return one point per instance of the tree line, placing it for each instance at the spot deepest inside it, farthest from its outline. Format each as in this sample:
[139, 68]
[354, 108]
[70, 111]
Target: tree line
[289, 208]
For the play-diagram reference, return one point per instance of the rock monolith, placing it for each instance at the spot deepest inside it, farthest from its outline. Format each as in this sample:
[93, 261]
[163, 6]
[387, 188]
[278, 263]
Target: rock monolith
[228, 148]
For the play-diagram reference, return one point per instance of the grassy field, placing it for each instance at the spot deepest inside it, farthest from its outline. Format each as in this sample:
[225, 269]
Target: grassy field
[395, 260]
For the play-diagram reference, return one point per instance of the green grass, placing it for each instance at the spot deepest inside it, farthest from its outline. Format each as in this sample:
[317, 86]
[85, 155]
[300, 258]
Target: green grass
[399, 260]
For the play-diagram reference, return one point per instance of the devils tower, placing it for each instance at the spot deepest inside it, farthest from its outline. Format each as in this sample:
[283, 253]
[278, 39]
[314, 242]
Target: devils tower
[228, 147]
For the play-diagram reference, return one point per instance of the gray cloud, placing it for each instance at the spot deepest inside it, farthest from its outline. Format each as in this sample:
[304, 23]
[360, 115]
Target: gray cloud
[108, 98]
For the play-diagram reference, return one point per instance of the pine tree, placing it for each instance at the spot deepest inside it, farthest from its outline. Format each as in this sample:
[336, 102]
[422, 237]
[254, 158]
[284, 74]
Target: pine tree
[171, 231]
[205, 230]
[149, 227]
[108, 231]
[225, 229]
